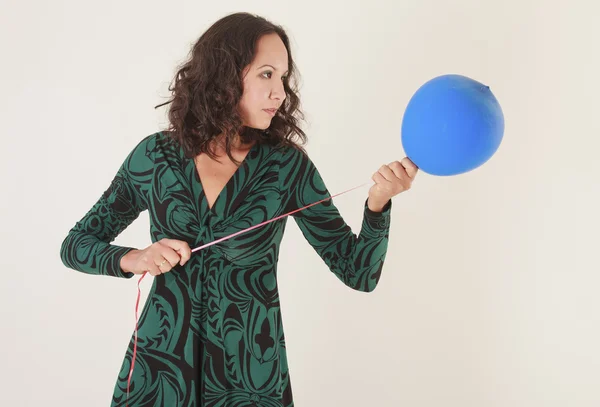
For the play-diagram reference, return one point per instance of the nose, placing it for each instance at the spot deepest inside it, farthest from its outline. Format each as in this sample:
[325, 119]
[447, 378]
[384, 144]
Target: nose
[278, 92]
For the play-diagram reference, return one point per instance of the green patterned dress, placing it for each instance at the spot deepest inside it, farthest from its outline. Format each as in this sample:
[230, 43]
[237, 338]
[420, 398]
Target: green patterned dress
[210, 333]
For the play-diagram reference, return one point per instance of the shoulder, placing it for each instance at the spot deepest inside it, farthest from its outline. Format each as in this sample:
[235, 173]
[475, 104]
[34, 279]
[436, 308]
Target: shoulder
[155, 145]
[292, 155]
[147, 151]
[158, 142]
[297, 168]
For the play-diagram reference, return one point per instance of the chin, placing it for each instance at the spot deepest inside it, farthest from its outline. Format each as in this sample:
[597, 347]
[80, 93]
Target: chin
[261, 126]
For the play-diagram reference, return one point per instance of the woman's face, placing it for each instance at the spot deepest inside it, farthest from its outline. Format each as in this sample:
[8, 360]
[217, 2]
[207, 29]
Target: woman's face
[263, 83]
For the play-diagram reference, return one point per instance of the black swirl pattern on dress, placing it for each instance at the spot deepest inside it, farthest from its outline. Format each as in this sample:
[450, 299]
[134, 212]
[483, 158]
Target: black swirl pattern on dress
[211, 332]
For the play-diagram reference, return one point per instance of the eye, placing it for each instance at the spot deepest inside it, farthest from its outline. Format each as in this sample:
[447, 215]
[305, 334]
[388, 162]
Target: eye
[269, 75]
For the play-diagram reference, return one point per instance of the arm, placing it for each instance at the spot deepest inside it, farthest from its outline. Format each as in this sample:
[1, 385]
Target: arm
[87, 247]
[356, 260]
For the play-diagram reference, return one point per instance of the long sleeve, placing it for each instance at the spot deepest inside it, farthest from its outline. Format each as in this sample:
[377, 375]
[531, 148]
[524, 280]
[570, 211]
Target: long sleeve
[87, 247]
[356, 260]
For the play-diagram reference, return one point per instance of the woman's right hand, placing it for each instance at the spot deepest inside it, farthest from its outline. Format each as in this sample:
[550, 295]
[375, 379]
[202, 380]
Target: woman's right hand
[158, 258]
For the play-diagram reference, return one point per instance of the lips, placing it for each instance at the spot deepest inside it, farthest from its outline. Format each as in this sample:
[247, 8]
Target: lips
[271, 111]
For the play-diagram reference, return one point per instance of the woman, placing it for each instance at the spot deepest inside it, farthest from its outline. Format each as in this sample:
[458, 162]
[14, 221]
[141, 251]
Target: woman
[211, 333]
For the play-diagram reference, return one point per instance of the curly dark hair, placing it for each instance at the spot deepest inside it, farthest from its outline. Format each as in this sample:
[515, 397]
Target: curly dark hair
[208, 86]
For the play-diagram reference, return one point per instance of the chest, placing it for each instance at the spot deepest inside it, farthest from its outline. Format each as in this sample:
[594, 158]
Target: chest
[214, 175]
[200, 200]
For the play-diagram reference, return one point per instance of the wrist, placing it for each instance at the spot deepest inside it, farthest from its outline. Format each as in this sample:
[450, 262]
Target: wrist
[376, 205]
[128, 261]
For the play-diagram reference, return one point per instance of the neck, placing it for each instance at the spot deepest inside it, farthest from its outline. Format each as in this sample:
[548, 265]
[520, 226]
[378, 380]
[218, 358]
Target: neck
[236, 144]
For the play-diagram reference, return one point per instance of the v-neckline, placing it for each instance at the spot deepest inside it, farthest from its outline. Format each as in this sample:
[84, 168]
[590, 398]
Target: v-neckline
[204, 200]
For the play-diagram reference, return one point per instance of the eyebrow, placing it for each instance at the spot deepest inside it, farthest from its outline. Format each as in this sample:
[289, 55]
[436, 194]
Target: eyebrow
[271, 66]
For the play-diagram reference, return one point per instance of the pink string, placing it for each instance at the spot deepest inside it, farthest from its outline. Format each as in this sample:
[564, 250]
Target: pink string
[137, 303]
[213, 243]
[272, 220]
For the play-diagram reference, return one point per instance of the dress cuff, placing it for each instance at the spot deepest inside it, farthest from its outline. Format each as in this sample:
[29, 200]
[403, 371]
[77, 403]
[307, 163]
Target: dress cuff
[114, 266]
[377, 223]
[384, 212]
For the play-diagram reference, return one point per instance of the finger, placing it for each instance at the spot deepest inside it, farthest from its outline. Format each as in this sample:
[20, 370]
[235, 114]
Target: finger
[153, 269]
[411, 168]
[168, 242]
[171, 256]
[162, 263]
[398, 170]
[379, 179]
[181, 247]
[387, 173]
[186, 253]
[146, 265]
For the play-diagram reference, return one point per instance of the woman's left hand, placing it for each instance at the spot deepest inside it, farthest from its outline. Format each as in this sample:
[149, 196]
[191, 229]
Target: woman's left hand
[391, 180]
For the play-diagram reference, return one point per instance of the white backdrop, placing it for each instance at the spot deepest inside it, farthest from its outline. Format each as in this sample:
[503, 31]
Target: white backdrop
[489, 296]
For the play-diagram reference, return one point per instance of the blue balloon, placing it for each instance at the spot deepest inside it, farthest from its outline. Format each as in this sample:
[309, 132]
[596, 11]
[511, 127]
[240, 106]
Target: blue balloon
[452, 125]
